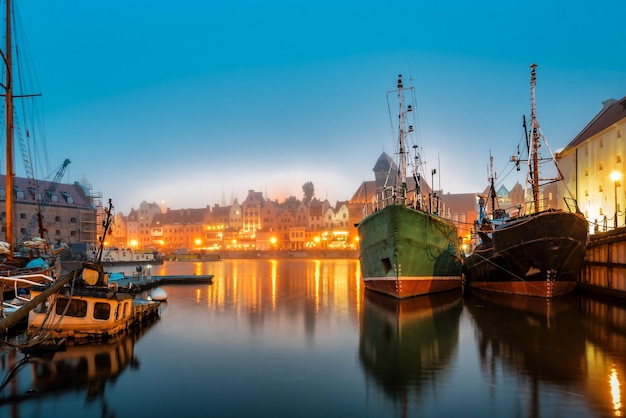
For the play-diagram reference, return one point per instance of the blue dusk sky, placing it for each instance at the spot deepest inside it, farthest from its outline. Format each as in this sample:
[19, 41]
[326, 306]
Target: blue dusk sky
[194, 102]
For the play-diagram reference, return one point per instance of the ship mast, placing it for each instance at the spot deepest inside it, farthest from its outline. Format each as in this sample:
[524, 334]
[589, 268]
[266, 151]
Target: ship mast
[401, 134]
[8, 98]
[492, 187]
[534, 174]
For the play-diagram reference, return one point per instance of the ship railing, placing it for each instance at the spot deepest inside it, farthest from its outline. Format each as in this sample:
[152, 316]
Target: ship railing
[391, 195]
[545, 204]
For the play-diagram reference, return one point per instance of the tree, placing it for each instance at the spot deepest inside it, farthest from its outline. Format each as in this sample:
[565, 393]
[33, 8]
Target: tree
[291, 204]
[309, 192]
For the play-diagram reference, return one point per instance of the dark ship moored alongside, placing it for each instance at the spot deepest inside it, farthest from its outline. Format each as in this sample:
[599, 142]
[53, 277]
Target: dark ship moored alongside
[537, 254]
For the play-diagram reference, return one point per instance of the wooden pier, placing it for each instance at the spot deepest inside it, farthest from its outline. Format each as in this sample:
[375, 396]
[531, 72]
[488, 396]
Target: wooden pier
[148, 282]
[604, 270]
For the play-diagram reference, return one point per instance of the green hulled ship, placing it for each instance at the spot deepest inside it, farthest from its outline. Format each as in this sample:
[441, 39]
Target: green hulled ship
[406, 248]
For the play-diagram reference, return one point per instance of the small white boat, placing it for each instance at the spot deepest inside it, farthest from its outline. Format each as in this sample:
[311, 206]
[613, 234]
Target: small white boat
[158, 294]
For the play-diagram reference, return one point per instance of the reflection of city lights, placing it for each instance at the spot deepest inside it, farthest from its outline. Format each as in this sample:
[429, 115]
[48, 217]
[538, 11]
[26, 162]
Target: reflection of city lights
[615, 393]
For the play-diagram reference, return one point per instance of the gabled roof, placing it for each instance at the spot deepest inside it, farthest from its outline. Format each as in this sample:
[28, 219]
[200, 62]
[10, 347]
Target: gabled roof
[612, 112]
[79, 193]
[180, 216]
[365, 192]
[383, 163]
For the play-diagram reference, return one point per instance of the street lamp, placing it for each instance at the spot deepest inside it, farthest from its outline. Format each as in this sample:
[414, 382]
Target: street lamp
[616, 176]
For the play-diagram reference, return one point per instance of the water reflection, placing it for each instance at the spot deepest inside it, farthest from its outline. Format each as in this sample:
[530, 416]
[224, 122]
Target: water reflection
[81, 368]
[405, 344]
[267, 284]
[301, 338]
[557, 349]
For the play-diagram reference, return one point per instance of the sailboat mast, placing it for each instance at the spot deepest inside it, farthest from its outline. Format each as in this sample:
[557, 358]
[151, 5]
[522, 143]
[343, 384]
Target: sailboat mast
[401, 134]
[535, 140]
[10, 239]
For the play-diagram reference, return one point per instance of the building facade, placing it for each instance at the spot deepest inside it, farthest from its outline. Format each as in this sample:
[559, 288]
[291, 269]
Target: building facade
[592, 166]
[69, 215]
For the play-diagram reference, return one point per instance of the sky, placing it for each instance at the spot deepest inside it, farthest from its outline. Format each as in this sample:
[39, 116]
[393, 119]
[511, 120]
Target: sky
[193, 103]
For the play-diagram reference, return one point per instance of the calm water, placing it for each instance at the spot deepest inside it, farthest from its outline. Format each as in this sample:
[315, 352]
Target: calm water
[301, 338]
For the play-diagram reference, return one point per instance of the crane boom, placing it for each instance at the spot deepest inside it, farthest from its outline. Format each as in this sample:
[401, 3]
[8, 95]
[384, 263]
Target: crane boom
[37, 219]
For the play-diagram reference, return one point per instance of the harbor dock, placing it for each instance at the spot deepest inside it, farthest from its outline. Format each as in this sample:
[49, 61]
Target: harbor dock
[142, 282]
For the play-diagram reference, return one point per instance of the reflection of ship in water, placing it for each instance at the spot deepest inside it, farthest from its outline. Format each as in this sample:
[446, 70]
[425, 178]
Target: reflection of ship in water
[541, 342]
[542, 338]
[78, 367]
[405, 343]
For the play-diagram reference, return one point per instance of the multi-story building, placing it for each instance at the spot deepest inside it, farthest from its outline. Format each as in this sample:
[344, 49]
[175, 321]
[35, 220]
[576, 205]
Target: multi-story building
[69, 217]
[180, 230]
[593, 168]
[252, 208]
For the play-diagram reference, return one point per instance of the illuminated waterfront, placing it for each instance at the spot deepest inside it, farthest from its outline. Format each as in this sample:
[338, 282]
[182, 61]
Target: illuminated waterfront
[301, 338]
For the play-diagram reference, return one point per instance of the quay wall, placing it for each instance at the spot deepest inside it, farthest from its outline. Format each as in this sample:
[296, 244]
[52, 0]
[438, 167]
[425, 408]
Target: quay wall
[604, 270]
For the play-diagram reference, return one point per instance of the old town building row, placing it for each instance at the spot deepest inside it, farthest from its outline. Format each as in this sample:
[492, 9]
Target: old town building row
[591, 164]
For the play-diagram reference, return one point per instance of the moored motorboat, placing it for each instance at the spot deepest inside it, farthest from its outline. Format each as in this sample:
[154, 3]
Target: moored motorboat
[89, 307]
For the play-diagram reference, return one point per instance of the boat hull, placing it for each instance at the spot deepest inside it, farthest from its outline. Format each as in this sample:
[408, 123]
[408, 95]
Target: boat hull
[88, 315]
[539, 255]
[406, 253]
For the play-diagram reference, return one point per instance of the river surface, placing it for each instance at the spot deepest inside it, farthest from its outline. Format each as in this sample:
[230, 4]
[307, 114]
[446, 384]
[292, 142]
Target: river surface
[302, 338]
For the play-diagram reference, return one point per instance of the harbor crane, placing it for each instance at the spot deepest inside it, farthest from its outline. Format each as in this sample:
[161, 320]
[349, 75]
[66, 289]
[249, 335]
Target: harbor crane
[37, 219]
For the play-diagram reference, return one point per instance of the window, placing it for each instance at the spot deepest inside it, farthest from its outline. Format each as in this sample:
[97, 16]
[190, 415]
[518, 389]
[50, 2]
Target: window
[600, 188]
[57, 232]
[19, 194]
[54, 198]
[72, 220]
[3, 192]
[102, 311]
[22, 215]
[57, 219]
[600, 166]
[77, 307]
[618, 158]
[68, 197]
